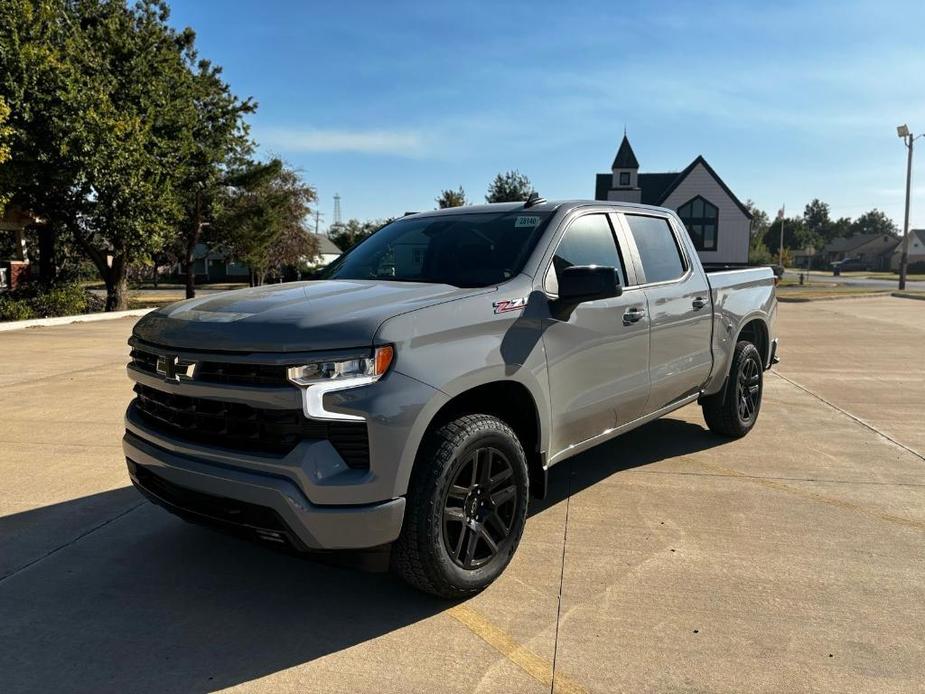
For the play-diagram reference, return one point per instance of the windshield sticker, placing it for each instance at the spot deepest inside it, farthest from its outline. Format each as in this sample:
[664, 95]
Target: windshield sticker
[523, 221]
[510, 305]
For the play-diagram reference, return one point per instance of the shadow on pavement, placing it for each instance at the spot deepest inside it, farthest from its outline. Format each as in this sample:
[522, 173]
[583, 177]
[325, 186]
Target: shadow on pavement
[151, 604]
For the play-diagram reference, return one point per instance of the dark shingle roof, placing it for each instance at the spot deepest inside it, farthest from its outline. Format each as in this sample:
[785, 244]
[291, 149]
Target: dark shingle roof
[653, 185]
[326, 245]
[625, 158]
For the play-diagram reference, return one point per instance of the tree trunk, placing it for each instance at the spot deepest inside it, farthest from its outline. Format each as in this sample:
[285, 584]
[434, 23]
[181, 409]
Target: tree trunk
[117, 285]
[47, 269]
[156, 275]
[188, 269]
[191, 242]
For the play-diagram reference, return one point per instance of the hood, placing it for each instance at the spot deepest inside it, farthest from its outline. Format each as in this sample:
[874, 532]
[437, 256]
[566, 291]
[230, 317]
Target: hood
[292, 317]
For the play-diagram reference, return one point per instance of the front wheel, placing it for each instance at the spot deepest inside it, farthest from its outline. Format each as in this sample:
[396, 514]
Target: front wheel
[734, 410]
[466, 508]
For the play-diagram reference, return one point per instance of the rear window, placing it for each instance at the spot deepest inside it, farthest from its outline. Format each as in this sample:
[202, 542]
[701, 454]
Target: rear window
[474, 249]
[658, 249]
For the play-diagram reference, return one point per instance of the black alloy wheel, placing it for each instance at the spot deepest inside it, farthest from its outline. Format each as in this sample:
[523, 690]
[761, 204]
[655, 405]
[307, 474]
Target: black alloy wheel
[479, 508]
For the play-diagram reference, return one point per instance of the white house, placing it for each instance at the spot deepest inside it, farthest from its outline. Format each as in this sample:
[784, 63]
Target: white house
[716, 219]
[328, 251]
[916, 249]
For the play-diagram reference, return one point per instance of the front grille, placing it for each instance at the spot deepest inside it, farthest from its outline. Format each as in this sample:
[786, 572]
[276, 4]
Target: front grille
[231, 373]
[242, 427]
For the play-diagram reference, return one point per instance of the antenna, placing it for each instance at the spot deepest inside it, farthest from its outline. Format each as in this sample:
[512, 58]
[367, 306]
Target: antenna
[337, 219]
[534, 199]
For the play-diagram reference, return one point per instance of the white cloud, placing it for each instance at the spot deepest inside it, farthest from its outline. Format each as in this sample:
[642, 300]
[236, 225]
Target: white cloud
[395, 142]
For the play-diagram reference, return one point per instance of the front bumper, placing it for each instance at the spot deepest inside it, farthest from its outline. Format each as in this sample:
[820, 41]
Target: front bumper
[269, 506]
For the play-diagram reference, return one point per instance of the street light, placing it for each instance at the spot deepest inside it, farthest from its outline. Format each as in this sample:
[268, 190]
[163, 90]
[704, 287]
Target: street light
[906, 135]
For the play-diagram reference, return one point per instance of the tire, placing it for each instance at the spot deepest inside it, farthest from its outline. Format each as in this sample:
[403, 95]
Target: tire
[734, 410]
[469, 487]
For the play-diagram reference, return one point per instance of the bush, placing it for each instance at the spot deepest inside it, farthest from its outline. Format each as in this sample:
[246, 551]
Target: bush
[36, 301]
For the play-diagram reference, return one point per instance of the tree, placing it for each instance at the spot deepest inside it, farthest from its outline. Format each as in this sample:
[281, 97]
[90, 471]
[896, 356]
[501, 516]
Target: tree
[263, 218]
[760, 221]
[817, 220]
[874, 222]
[796, 235]
[217, 140]
[451, 198]
[510, 186]
[346, 236]
[98, 96]
[758, 253]
[6, 135]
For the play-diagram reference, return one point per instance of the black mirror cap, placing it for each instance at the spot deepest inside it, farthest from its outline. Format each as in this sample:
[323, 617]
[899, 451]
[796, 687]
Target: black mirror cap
[581, 283]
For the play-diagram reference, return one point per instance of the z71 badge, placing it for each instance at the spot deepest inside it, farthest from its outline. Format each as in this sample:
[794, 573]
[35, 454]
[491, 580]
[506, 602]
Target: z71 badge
[510, 305]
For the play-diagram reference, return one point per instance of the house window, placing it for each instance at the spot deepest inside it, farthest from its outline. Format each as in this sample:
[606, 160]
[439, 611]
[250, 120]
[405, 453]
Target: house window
[702, 221]
[624, 178]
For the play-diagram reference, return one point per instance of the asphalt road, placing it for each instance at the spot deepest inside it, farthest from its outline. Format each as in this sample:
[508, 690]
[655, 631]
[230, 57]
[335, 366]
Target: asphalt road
[848, 281]
[668, 560]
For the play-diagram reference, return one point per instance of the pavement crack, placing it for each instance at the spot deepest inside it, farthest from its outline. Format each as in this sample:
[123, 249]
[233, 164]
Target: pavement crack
[555, 647]
[75, 540]
[857, 419]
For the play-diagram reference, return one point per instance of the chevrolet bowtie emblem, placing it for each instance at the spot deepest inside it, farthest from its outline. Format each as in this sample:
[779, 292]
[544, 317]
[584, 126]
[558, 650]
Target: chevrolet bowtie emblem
[174, 369]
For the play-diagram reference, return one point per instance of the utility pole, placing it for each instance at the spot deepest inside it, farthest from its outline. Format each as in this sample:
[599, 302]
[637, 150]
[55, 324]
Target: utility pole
[907, 137]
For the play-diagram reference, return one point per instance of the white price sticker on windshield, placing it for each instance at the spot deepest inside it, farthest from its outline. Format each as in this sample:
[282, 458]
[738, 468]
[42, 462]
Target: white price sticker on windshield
[526, 222]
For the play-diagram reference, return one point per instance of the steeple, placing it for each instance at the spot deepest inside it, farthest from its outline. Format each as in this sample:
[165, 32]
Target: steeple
[625, 158]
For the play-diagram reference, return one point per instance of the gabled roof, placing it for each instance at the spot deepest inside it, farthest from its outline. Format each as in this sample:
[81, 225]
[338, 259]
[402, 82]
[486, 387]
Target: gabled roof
[656, 187]
[327, 246]
[625, 158]
[844, 244]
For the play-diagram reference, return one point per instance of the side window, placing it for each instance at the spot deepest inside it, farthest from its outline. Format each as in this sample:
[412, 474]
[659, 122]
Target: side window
[589, 240]
[658, 249]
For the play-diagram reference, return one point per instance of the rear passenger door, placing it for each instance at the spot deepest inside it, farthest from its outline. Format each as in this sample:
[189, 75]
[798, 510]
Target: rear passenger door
[680, 313]
[598, 355]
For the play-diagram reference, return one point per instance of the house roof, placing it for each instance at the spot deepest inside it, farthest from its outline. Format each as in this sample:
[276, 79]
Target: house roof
[625, 158]
[656, 187]
[326, 246]
[844, 244]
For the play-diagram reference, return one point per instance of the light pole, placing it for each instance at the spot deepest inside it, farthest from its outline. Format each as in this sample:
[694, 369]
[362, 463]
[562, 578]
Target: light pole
[907, 138]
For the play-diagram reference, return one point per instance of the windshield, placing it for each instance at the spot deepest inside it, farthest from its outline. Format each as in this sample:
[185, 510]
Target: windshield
[474, 249]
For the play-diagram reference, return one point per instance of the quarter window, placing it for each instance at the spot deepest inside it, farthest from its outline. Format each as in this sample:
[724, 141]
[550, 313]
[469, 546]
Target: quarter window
[589, 240]
[658, 249]
[701, 218]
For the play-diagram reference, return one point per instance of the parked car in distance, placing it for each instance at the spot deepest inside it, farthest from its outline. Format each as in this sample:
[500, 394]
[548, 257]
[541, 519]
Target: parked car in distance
[849, 265]
[419, 393]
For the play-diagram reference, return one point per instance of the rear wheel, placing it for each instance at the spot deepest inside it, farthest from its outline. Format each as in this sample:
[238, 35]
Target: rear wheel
[466, 508]
[734, 410]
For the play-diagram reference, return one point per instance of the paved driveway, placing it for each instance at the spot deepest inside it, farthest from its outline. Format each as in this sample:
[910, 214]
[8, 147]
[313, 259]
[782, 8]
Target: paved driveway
[667, 560]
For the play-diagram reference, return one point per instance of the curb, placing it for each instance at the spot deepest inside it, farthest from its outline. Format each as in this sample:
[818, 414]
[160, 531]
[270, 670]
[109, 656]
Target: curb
[67, 320]
[907, 295]
[807, 299]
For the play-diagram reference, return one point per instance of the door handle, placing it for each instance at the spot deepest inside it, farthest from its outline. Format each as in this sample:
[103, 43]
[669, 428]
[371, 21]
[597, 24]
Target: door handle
[699, 303]
[633, 315]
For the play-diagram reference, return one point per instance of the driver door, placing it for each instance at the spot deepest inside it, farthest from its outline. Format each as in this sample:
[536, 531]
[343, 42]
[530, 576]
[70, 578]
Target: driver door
[598, 356]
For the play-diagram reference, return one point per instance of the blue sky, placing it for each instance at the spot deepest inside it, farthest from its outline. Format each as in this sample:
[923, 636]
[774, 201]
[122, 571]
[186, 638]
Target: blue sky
[387, 103]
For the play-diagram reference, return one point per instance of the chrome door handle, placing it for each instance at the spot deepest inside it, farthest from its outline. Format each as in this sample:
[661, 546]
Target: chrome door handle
[699, 303]
[633, 315]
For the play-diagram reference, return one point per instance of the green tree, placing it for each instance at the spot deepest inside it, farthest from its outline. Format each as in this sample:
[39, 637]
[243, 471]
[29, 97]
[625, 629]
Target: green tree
[451, 198]
[6, 134]
[346, 236]
[263, 218]
[510, 186]
[874, 222]
[758, 253]
[817, 220]
[796, 235]
[216, 140]
[98, 96]
[760, 220]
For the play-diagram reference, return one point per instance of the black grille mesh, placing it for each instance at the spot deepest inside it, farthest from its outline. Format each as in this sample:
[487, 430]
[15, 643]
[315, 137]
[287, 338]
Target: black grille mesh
[230, 373]
[242, 427]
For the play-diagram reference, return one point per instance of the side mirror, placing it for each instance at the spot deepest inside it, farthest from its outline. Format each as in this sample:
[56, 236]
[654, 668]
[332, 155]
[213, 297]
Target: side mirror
[581, 283]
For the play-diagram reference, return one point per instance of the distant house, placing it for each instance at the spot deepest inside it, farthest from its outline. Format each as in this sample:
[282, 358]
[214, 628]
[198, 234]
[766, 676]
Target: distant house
[716, 219]
[328, 251]
[874, 250]
[916, 249]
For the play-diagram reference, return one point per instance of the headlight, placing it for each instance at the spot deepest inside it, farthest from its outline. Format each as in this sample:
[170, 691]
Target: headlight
[362, 367]
[320, 377]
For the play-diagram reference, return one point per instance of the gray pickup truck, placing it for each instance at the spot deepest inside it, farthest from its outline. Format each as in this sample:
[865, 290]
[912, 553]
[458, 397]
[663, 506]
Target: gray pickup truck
[417, 396]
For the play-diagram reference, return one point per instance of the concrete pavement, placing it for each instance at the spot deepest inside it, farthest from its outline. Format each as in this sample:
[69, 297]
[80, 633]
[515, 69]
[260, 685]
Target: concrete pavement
[667, 560]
